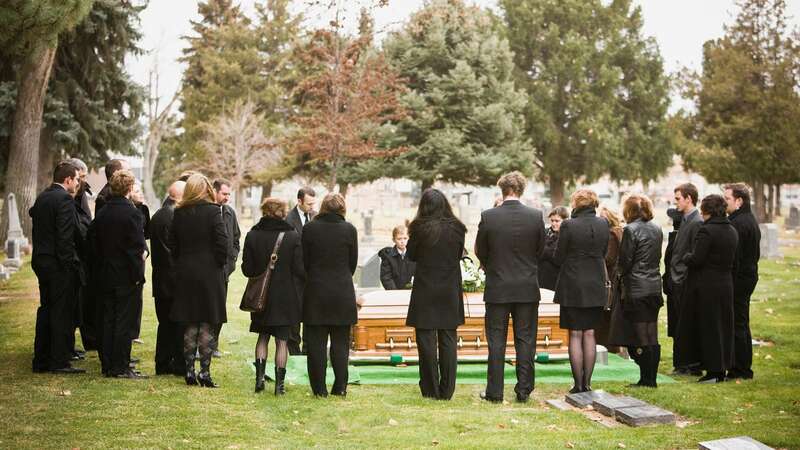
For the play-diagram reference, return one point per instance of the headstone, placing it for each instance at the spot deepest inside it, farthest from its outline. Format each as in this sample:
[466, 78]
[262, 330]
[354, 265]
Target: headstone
[13, 255]
[769, 240]
[371, 272]
[735, 443]
[14, 226]
[638, 416]
[607, 405]
[793, 221]
[367, 216]
[4, 274]
[559, 404]
[584, 399]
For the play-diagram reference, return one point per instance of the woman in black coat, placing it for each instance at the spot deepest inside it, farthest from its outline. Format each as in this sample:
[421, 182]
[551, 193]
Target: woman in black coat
[548, 269]
[284, 293]
[330, 256]
[705, 337]
[638, 266]
[581, 287]
[436, 309]
[199, 245]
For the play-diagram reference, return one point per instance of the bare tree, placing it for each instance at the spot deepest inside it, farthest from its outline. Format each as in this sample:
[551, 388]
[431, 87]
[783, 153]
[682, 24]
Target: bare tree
[159, 126]
[236, 147]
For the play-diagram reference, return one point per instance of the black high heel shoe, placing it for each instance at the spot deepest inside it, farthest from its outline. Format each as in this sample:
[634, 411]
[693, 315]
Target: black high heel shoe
[206, 381]
[191, 379]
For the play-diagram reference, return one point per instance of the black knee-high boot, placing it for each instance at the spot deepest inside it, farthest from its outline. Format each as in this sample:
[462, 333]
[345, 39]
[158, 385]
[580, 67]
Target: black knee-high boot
[280, 376]
[640, 355]
[655, 358]
[261, 365]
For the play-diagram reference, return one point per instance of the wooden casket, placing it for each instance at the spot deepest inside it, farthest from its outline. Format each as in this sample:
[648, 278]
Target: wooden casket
[381, 333]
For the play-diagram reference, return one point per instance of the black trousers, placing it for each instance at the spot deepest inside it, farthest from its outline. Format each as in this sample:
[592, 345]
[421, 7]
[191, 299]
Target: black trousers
[169, 340]
[138, 309]
[55, 332]
[218, 326]
[295, 340]
[119, 318]
[525, 318]
[673, 315]
[742, 339]
[316, 338]
[438, 362]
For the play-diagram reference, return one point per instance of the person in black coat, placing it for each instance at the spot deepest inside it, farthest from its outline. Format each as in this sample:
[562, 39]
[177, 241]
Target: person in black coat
[199, 247]
[222, 192]
[396, 269]
[638, 267]
[548, 270]
[283, 310]
[57, 266]
[117, 237]
[509, 244]
[137, 197]
[169, 335]
[581, 287]
[705, 334]
[298, 217]
[745, 276]
[83, 213]
[330, 257]
[111, 167]
[436, 308]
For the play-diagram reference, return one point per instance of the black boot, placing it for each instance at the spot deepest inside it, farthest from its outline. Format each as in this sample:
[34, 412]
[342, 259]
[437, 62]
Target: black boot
[260, 367]
[640, 355]
[655, 358]
[280, 376]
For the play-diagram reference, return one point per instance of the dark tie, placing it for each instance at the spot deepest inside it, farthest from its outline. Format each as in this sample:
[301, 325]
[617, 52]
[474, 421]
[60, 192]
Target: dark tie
[306, 221]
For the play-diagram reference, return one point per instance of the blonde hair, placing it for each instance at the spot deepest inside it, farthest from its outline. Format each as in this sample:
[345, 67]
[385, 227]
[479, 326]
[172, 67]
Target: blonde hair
[198, 190]
[400, 229]
[583, 198]
[333, 203]
[122, 182]
[274, 207]
[612, 217]
[637, 206]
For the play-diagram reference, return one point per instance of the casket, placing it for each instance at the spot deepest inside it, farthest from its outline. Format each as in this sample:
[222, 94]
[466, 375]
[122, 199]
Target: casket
[381, 332]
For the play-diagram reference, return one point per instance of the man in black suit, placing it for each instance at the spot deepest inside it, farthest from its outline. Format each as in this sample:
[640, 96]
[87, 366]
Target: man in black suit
[222, 191]
[745, 276]
[56, 264]
[117, 235]
[84, 219]
[509, 243]
[169, 337]
[298, 217]
[111, 167]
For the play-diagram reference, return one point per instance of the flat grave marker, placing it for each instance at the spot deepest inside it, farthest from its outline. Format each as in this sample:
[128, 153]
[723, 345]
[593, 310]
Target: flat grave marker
[638, 416]
[734, 443]
[584, 399]
[608, 405]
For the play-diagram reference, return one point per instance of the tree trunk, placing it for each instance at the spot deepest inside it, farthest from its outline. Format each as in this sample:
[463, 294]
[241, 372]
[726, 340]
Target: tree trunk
[771, 202]
[266, 190]
[556, 191]
[23, 159]
[47, 154]
[343, 188]
[778, 200]
[426, 184]
[760, 203]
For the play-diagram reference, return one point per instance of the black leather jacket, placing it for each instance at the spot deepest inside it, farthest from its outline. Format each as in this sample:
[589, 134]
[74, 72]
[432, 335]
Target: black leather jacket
[639, 258]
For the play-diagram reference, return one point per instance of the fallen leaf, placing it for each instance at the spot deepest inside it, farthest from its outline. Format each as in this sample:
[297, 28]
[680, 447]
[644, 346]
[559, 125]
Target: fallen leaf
[621, 445]
[65, 393]
[768, 357]
[514, 421]
[500, 425]
[296, 411]
[393, 422]
[769, 310]
[435, 442]
[569, 445]
[296, 423]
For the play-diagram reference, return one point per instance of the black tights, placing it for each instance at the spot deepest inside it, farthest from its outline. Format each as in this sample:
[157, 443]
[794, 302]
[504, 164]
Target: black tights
[197, 339]
[582, 355]
[281, 350]
[646, 333]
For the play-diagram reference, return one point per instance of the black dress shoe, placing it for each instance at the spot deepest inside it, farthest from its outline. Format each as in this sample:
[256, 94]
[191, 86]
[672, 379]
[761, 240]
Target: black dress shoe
[206, 381]
[321, 394]
[711, 378]
[191, 379]
[735, 374]
[483, 396]
[575, 390]
[339, 393]
[522, 398]
[68, 370]
[131, 375]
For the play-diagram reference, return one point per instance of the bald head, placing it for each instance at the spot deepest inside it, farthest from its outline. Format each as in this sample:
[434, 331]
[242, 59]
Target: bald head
[175, 190]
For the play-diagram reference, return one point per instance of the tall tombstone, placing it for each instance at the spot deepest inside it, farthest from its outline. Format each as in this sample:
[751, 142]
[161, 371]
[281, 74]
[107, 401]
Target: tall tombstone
[769, 241]
[13, 255]
[14, 225]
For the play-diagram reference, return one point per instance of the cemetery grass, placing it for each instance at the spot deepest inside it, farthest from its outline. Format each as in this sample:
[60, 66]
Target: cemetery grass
[89, 411]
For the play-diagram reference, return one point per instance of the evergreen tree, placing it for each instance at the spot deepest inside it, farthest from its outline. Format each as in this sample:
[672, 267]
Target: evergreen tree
[465, 115]
[597, 93]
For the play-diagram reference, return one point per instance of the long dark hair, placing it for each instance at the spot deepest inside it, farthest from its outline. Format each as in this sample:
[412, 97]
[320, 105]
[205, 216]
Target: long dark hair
[433, 215]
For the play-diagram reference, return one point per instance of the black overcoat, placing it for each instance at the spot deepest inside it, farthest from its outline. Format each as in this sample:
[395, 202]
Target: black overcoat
[396, 270]
[118, 242]
[54, 228]
[581, 252]
[437, 298]
[548, 268]
[509, 243]
[199, 247]
[705, 328]
[330, 256]
[286, 281]
[161, 255]
[234, 236]
[748, 252]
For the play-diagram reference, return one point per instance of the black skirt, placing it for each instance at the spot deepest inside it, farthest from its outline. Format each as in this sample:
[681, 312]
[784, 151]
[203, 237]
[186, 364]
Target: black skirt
[642, 309]
[279, 332]
[573, 318]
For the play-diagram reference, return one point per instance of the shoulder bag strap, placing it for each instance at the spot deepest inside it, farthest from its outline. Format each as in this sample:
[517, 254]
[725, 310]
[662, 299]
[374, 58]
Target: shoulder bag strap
[273, 259]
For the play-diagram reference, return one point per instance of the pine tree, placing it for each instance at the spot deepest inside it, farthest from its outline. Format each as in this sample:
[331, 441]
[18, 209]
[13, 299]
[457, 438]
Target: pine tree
[465, 115]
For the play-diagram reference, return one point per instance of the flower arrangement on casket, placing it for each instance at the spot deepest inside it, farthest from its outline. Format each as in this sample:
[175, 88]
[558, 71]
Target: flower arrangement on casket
[472, 277]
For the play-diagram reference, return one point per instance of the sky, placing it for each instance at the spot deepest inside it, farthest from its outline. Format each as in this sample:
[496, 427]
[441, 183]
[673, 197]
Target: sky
[679, 26]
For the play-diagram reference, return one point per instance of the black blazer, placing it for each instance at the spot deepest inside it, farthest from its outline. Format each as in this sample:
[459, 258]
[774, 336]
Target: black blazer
[286, 282]
[748, 252]
[396, 270]
[161, 255]
[102, 197]
[330, 256]
[678, 269]
[437, 298]
[54, 228]
[294, 219]
[117, 236]
[234, 236]
[581, 252]
[199, 245]
[509, 244]
[548, 269]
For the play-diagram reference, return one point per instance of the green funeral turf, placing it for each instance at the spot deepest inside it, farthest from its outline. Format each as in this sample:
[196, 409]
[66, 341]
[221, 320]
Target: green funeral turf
[555, 372]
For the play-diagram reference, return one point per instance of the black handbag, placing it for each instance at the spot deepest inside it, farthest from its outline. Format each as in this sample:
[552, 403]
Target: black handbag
[254, 299]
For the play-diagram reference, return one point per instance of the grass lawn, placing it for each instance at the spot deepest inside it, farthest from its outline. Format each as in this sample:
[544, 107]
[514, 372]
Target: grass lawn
[89, 411]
